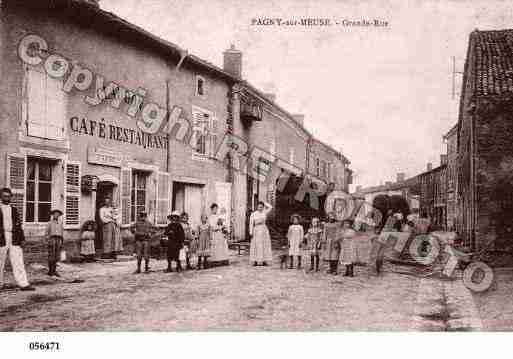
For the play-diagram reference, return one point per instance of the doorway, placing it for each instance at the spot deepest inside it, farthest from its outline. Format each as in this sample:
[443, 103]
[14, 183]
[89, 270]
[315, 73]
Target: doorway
[189, 197]
[104, 189]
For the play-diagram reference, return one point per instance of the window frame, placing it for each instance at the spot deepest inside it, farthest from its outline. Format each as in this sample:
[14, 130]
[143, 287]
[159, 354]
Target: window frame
[208, 134]
[197, 79]
[134, 192]
[36, 202]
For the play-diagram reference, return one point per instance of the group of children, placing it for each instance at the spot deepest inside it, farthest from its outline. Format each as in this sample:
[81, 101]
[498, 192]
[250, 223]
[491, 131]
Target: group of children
[182, 241]
[332, 241]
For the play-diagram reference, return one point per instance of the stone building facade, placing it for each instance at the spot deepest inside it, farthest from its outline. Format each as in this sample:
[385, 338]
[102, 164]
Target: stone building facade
[485, 141]
[96, 107]
[86, 98]
[453, 218]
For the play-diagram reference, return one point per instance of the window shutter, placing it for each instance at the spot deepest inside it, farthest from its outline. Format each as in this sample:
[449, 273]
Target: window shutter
[16, 172]
[214, 123]
[162, 208]
[72, 194]
[46, 106]
[125, 194]
[55, 109]
[36, 103]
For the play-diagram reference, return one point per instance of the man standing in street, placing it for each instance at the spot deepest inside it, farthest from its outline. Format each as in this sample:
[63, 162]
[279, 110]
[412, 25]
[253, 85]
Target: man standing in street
[11, 238]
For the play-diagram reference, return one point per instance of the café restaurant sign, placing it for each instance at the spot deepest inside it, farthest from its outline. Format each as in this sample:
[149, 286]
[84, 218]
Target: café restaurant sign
[112, 132]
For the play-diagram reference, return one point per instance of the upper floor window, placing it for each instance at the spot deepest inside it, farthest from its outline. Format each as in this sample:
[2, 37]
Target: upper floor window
[200, 86]
[291, 156]
[45, 105]
[204, 133]
[318, 167]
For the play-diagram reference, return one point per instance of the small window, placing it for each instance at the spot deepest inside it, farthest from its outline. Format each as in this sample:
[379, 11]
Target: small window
[200, 86]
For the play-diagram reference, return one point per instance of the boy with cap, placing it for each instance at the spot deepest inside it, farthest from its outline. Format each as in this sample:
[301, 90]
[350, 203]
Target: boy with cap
[176, 237]
[143, 231]
[54, 231]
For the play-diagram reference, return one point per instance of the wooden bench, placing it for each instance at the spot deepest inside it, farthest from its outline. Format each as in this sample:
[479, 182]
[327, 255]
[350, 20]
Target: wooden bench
[240, 246]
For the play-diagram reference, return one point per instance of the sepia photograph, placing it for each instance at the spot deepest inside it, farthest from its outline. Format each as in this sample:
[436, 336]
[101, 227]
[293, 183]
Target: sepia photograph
[173, 166]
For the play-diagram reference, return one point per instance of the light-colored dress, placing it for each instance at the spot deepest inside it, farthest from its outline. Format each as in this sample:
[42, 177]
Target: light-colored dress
[260, 248]
[348, 253]
[295, 236]
[219, 244]
[112, 241]
[204, 234]
[87, 243]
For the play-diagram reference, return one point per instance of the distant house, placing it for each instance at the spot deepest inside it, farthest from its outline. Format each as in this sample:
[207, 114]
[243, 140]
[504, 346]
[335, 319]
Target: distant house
[485, 141]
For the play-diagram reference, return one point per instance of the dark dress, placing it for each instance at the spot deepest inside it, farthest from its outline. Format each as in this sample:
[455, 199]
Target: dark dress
[176, 238]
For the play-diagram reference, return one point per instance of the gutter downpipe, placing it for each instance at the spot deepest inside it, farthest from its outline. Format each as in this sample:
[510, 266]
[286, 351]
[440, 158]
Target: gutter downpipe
[183, 55]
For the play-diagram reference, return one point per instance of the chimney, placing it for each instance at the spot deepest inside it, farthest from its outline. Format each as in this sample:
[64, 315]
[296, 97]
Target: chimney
[270, 96]
[400, 177]
[443, 159]
[232, 61]
[429, 166]
[299, 118]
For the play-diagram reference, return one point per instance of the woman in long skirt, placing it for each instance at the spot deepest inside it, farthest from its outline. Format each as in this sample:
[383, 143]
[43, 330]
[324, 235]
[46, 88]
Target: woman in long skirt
[112, 242]
[331, 242]
[348, 248]
[219, 247]
[260, 248]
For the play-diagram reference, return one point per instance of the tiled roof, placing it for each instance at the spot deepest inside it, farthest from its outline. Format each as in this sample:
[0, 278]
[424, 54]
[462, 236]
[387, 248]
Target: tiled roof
[492, 62]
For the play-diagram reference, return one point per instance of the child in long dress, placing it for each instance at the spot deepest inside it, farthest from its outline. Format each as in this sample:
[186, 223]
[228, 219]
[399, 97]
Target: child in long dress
[295, 236]
[348, 248]
[87, 249]
[313, 244]
[203, 242]
[331, 242]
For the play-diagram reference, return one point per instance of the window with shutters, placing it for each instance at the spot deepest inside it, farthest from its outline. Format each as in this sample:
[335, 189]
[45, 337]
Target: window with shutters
[46, 106]
[138, 194]
[204, 133]
[38, 190]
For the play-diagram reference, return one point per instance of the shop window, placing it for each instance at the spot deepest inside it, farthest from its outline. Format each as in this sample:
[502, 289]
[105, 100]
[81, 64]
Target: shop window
[204, 133]
[138, 195]
[200, 86]
[38, 190]
[45, 106]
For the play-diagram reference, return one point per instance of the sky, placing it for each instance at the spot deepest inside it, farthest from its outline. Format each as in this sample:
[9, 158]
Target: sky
[383, 96]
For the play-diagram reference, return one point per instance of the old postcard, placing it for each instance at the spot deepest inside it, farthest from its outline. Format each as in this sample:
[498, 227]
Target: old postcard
[285, 166]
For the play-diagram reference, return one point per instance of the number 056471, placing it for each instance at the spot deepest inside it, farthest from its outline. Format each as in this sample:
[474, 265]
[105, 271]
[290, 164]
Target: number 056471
[44, 346]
